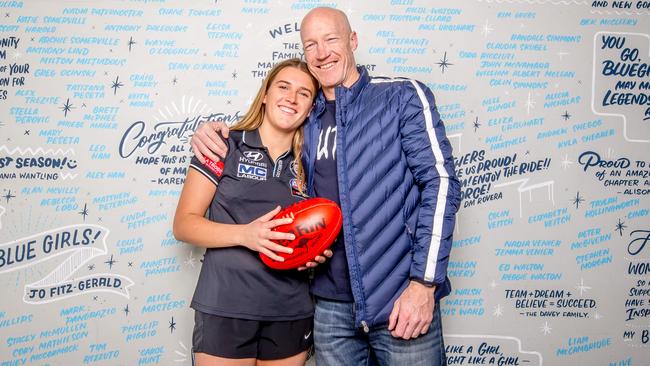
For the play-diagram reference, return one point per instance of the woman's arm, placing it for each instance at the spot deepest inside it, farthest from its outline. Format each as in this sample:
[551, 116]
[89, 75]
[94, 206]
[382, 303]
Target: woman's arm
[191, 226]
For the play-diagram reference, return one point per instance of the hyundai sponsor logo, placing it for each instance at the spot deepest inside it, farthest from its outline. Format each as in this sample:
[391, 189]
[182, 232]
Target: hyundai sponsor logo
[253, 155]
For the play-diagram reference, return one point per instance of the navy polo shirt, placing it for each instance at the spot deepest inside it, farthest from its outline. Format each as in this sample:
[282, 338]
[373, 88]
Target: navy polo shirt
[331, 280]
[233, 281]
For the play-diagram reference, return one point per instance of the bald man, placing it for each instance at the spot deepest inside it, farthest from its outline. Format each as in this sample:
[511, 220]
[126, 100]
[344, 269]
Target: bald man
[376, 146]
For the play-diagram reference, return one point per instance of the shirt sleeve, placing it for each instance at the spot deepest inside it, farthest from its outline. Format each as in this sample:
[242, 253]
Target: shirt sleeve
[211, 170]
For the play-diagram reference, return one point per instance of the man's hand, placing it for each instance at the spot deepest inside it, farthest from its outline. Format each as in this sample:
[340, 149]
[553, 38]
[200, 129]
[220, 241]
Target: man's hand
[318, 259]
[412, 312]
[207, 144]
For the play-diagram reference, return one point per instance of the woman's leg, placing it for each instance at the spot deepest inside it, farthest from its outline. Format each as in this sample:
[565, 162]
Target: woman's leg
[204, 359]
[295, 360]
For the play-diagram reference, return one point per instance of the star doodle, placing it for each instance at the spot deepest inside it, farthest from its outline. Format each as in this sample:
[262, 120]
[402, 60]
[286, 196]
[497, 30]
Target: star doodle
[131, 43]
[620, 226]
[487, 29]
[498, 311]
[582, 288]
[6, 15]
[190, 261]
[546, 329]
[234, 74]
[444, 63]
[566, 115]
[172, 325]
[476, 124]
[566, 162]
[577, 200]
[83, 105]
[126, 310]
[130, 264]
[110, 262]
[67, 107]
[530, 104]
[84, 212]
[8, 196]
[32, 39]
[26, 132]
[95, 298]
[229, 102]
[174, 80]
[91, 267]
[116, 85]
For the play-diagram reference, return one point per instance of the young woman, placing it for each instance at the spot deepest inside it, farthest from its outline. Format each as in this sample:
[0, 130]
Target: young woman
[245, 312]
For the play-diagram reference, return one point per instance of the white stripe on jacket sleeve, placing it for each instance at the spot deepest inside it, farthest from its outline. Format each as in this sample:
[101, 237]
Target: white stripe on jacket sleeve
[441, 201]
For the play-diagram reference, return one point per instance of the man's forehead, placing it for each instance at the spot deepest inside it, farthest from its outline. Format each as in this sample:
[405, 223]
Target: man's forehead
[318, 28]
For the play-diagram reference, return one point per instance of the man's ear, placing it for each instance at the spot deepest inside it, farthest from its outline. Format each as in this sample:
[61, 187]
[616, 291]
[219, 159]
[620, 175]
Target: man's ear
[354, 41]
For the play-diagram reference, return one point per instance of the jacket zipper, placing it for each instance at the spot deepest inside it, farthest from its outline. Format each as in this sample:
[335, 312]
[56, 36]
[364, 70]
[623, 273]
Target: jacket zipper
[364, 325]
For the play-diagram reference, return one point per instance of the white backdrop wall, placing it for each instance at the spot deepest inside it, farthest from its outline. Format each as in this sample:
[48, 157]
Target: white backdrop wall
[545, 103]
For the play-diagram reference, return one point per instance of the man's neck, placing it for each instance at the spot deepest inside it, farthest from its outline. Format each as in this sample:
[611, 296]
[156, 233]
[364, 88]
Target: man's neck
[330, 92]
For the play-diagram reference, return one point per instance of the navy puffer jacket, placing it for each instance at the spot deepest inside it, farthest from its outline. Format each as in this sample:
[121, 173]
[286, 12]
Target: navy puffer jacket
[398, 189]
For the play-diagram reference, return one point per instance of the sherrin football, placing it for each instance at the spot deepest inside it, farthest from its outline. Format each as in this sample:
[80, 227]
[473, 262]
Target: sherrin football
[316, 223]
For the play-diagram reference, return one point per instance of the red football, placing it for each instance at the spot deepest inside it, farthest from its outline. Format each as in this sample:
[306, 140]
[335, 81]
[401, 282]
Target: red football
[316, 223]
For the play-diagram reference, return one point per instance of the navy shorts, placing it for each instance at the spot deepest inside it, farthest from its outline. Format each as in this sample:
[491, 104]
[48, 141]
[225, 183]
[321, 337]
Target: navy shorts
[242, 338]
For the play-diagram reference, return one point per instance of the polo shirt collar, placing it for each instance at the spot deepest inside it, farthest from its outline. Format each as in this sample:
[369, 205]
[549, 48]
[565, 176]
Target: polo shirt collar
[252, 138]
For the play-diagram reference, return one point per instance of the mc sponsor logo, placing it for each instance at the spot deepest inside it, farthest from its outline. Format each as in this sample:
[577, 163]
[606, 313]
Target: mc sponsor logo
[251, 172]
